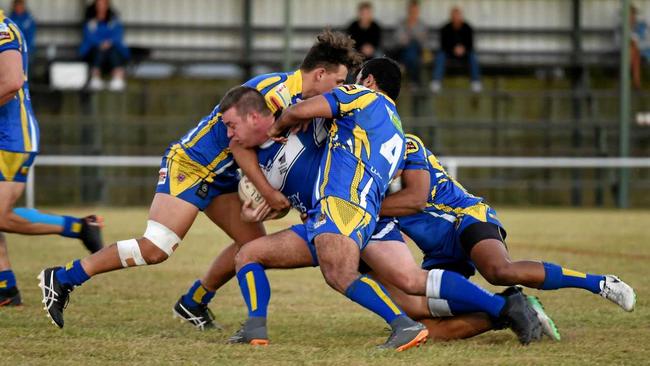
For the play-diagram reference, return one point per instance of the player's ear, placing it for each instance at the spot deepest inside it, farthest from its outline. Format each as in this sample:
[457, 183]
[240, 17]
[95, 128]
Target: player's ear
[369, 81]
[320, 72]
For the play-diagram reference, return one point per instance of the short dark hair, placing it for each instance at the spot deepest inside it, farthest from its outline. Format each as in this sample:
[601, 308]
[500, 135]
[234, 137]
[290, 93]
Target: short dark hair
[364, 5]
[245, 99]
[330, 50]
[387, 74]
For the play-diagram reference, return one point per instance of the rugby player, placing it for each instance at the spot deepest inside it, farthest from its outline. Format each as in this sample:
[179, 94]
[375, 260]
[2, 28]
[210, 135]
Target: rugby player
[19, 145]
[198, 173]
[459, 232]
[292, 248]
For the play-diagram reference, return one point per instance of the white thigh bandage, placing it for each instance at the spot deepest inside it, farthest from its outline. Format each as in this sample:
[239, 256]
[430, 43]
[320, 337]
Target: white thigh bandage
[439, 308]
[161, 237]
[434, 281]
[129, 249]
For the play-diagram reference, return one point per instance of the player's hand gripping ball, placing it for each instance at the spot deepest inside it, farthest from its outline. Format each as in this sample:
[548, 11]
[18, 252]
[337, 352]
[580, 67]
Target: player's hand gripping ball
[248, 192]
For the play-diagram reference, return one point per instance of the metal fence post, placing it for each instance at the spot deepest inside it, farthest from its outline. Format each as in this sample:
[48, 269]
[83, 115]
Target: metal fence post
[624, 135]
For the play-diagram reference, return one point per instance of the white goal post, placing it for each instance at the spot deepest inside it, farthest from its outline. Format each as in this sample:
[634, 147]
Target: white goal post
[452, 164]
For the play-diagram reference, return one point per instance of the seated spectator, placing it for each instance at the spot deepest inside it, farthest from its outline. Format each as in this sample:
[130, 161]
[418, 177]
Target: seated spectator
[456, 42]
[23, 18]
[365, 32]
[411, 37]
[103, 46]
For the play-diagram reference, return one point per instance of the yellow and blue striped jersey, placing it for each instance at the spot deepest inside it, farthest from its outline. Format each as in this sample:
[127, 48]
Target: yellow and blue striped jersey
[207, 143]
[447, 198]
[364, 148]
[18, 126]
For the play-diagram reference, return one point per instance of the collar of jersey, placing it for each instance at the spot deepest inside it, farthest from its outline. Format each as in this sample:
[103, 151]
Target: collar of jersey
[386, 96]
[267, 144]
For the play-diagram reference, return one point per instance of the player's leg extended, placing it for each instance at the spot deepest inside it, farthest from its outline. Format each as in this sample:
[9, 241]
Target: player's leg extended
[285, 249]
[393, 261]
[169, 220]
[9, 294]
[494, 263]
[224, 211]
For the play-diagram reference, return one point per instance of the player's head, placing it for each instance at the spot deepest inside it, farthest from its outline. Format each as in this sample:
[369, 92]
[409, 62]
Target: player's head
[328, 62]
[246, 115]
[381, 74]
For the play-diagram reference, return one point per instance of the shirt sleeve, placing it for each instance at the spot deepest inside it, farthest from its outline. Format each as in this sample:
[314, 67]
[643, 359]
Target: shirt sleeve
[416, 154]
[9, 39]
[348, 98]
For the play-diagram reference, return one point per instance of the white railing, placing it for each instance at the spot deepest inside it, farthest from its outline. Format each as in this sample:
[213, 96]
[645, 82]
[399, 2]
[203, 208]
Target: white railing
[452, 163]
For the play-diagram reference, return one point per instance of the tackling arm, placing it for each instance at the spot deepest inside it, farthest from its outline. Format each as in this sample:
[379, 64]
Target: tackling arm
[413, 196]
[11, 77]
[300, 113]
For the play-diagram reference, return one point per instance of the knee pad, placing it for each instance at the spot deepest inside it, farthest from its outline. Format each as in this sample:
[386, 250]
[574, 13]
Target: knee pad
[439, 308]
[162, 237]
[130, 255]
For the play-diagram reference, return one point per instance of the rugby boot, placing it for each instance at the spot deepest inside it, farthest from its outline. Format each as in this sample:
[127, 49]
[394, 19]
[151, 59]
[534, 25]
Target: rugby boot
[10, 297]
[548, 325]
[618, 292]
[91, 233]
[253, 332]
[55, 295]
[520, 316]
[200, 316]
[406, 333]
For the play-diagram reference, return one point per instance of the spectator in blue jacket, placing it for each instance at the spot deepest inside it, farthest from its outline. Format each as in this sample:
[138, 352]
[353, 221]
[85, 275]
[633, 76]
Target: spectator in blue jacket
[23, 18]
[103, 45]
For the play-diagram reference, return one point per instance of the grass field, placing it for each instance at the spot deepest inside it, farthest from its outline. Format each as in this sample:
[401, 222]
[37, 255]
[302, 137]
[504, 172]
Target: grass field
[125, 318]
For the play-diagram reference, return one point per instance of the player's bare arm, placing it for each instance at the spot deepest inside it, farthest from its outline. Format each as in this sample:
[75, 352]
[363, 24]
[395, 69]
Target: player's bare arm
[412, 198]
[247, 160]
[301, 113]
[12, 76]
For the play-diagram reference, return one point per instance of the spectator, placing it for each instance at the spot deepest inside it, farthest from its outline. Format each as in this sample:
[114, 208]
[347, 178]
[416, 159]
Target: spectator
[639, 46]
[103, 46]
[365, 32]
[456, 42]
[411, 37]
[23, 18]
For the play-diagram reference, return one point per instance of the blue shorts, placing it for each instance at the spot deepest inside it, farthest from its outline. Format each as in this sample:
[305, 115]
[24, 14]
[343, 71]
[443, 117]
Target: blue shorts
[14, 166]
[182, 177]
[446, 241]
[337, 216]
[386, 230]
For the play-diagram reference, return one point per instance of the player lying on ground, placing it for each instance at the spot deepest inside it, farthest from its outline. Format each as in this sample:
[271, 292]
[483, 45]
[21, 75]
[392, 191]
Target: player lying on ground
[458, 231]
[198, 173]
[19, 138]
[292, 248]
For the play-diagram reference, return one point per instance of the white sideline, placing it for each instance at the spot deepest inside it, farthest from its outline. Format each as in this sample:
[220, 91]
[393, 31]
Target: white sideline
[452, 163]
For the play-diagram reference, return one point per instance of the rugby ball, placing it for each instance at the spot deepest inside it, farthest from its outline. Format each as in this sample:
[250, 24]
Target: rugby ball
[247, 191]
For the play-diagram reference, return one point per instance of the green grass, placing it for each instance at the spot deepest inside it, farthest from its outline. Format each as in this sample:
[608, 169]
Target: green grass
[125, 317]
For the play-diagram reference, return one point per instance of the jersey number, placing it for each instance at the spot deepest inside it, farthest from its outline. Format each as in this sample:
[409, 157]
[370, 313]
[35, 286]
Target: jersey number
[392, 150]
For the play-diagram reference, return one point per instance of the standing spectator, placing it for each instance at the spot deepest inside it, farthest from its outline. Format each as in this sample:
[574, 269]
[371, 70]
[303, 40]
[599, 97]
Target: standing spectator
[103, 46]
[365, 32]
[411, 37]
[23, 18]
[456, 42]
[639, 45]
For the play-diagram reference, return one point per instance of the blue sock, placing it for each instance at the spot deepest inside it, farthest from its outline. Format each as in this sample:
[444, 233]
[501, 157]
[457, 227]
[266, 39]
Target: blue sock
[71, 225]
[72, 274]
[7, 279]
[255, 289]
[558, 277]
[197, 294]
[373, 296]
[461, 294]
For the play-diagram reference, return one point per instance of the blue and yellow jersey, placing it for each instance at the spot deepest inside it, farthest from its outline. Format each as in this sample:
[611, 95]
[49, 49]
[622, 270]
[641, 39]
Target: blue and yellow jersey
[364, 149]
[292, 167]
[207, 143]
[447, 198]
[18, 126]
